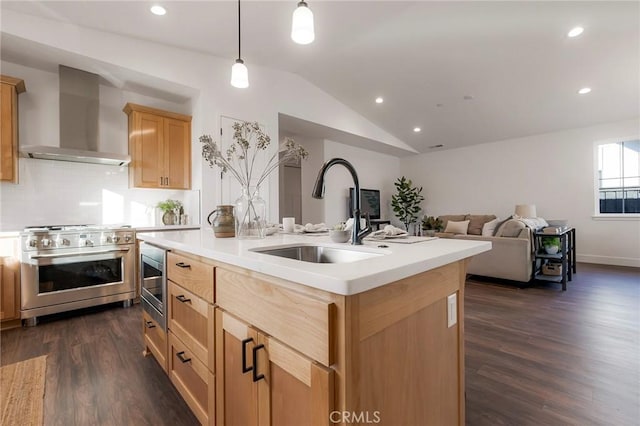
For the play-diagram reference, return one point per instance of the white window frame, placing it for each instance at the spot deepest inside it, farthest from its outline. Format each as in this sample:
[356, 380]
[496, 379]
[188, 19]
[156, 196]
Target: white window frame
[596, 184]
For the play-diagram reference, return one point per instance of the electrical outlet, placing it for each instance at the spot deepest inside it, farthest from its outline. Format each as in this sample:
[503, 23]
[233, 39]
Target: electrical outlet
[452, 310]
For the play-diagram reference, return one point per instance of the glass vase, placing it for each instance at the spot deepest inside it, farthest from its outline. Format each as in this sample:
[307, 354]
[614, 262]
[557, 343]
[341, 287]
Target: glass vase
[251, 213]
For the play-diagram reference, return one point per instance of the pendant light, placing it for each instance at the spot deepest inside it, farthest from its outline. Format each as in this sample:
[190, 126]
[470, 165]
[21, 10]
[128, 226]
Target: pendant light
[239, 72]
[302, 24]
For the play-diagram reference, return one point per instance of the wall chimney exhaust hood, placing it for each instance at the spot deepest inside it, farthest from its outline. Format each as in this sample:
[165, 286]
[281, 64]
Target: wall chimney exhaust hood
[79, 111]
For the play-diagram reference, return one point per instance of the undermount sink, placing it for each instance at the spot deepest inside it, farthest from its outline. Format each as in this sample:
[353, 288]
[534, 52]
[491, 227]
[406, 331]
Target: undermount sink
[317, 254]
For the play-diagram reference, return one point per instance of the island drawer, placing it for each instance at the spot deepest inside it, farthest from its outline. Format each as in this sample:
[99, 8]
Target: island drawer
[298, 320]
[192, 274]
[191, 319]
[155, 340]
[193, 380]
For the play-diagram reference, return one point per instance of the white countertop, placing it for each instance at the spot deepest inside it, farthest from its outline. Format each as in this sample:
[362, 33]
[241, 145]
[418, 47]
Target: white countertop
[165, 228]
[398, 260]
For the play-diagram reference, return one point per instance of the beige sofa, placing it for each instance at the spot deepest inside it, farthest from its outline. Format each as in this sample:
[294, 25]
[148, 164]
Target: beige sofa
[510, 257]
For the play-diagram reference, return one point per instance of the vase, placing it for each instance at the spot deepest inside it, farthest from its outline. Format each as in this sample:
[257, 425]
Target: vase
[169, 218]
[223, 223]
[250, 213]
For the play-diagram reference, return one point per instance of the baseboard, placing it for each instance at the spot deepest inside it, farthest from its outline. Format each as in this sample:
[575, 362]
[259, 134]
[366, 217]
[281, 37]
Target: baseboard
[609, 260]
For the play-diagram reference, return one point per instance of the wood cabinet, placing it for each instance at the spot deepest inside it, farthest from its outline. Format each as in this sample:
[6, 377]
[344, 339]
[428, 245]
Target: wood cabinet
[9, 292]
[155, 340]
[190, 323]
[160, 148]
[10, 89]
[246, 348]
[261, 381]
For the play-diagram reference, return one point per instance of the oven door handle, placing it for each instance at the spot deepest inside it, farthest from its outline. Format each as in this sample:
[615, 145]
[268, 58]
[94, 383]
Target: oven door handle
[78, 253]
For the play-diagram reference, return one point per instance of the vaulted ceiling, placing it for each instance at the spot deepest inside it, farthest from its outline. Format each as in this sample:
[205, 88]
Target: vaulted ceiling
[464, 72]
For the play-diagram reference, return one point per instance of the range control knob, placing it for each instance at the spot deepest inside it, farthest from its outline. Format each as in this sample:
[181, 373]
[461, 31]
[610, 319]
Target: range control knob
[46, 242]
[63, 242]
[33, 243]
[88, 243]
[116, 238]
[127, 238]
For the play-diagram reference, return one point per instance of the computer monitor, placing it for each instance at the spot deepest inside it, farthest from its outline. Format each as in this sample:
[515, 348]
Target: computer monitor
[369, 203]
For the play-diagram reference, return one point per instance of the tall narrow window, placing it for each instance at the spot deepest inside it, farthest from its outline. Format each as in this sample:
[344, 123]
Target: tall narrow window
[619, 177]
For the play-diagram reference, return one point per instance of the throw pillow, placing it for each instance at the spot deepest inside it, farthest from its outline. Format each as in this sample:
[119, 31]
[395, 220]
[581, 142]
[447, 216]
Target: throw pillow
[510, 228]
[457, 227]
[489, 228]
[454, 217]
[499, 225]
[477, 221]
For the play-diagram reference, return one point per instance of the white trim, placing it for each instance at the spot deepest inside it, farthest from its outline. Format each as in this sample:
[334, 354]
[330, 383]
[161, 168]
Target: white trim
[608, 260]
[617, 216]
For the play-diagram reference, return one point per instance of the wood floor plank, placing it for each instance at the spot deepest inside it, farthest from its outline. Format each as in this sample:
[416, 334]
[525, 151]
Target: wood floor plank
[538, 355]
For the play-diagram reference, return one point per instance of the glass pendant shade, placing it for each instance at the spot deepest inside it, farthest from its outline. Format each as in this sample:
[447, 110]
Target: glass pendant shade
[302, 31]
[239, 75]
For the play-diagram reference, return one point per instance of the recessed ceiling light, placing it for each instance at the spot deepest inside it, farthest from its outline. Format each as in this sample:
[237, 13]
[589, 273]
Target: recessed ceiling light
[158, 10]
[417, 129]
[439, 105]
[575, 32]
[467, 97]
[584, 90]
[436, 146]
[379, 100]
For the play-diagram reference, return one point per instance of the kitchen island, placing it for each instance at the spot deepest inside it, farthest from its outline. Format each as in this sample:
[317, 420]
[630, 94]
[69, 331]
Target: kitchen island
[259, 339]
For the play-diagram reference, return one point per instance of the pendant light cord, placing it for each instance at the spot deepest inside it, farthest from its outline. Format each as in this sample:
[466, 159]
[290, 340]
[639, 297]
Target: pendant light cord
[239, 54]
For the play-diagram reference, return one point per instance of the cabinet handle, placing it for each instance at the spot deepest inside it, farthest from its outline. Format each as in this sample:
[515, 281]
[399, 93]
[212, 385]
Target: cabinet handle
[161, 181]
[183, 299]
[245, 369]
[149, 324]
[256, 377]
[181, 357]
[167, 181]
[183, 265]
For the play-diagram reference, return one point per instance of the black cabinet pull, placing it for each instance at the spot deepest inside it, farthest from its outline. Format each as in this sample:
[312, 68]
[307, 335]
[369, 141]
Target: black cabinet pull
[183, 299]
[183, 265]
[149, 324]
[256, 377]
[245, 369]
[181, 357]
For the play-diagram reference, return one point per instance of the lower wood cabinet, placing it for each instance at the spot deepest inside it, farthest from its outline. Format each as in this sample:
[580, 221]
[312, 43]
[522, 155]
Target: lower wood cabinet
[194, 381]
[261, 381]
[155, 340]
[9, 292]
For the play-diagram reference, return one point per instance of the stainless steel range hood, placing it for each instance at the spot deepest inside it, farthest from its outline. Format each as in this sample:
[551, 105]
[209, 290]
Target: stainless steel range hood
[79, 111]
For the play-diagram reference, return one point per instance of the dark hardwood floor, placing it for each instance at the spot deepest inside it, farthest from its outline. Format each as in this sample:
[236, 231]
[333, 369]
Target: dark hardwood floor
[535, 356]
[96, 374]
[541, 356]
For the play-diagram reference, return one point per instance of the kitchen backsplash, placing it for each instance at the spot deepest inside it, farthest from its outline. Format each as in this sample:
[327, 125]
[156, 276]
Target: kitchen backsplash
[57, 192]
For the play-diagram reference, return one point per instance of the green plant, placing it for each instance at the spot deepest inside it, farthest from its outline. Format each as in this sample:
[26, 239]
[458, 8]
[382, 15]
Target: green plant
[550, 241]
[339, 226]
[406, 203]
[430, 223]
[169, 205]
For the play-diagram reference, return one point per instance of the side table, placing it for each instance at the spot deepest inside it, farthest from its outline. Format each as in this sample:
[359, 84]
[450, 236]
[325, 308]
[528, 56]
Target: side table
[566, 257]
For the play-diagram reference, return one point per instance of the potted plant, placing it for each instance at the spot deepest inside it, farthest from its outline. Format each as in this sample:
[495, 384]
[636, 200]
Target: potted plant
[171, 209]
[551, 244]
[406, 203]
[431, 225]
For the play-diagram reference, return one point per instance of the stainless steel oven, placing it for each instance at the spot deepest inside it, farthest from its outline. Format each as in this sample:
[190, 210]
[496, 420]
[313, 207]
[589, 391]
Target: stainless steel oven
[153, 282]
[68, 268]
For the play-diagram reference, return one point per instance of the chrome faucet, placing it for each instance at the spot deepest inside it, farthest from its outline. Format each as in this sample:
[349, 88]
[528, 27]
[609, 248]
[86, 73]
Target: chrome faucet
[357, 234]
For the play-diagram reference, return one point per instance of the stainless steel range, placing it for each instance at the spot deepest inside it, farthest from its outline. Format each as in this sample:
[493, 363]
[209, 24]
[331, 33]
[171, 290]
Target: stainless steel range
[72, 267]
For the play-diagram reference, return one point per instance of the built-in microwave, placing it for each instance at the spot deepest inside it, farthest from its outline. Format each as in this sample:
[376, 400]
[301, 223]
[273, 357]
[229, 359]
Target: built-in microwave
[153, 282]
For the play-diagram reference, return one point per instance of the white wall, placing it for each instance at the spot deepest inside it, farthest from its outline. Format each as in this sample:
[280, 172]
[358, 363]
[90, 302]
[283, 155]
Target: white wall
[270, 93]
[312, 208]
[554, 171]
[53, 192]
[375, 171]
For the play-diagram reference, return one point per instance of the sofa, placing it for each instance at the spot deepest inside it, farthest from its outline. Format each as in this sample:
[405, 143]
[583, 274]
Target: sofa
[511, 254]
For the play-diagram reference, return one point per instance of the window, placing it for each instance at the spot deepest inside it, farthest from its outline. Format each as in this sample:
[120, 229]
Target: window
[619, 177]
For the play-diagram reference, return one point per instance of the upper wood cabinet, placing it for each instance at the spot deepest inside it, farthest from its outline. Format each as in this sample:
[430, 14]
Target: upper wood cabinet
[160, 148]
[11, 87]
